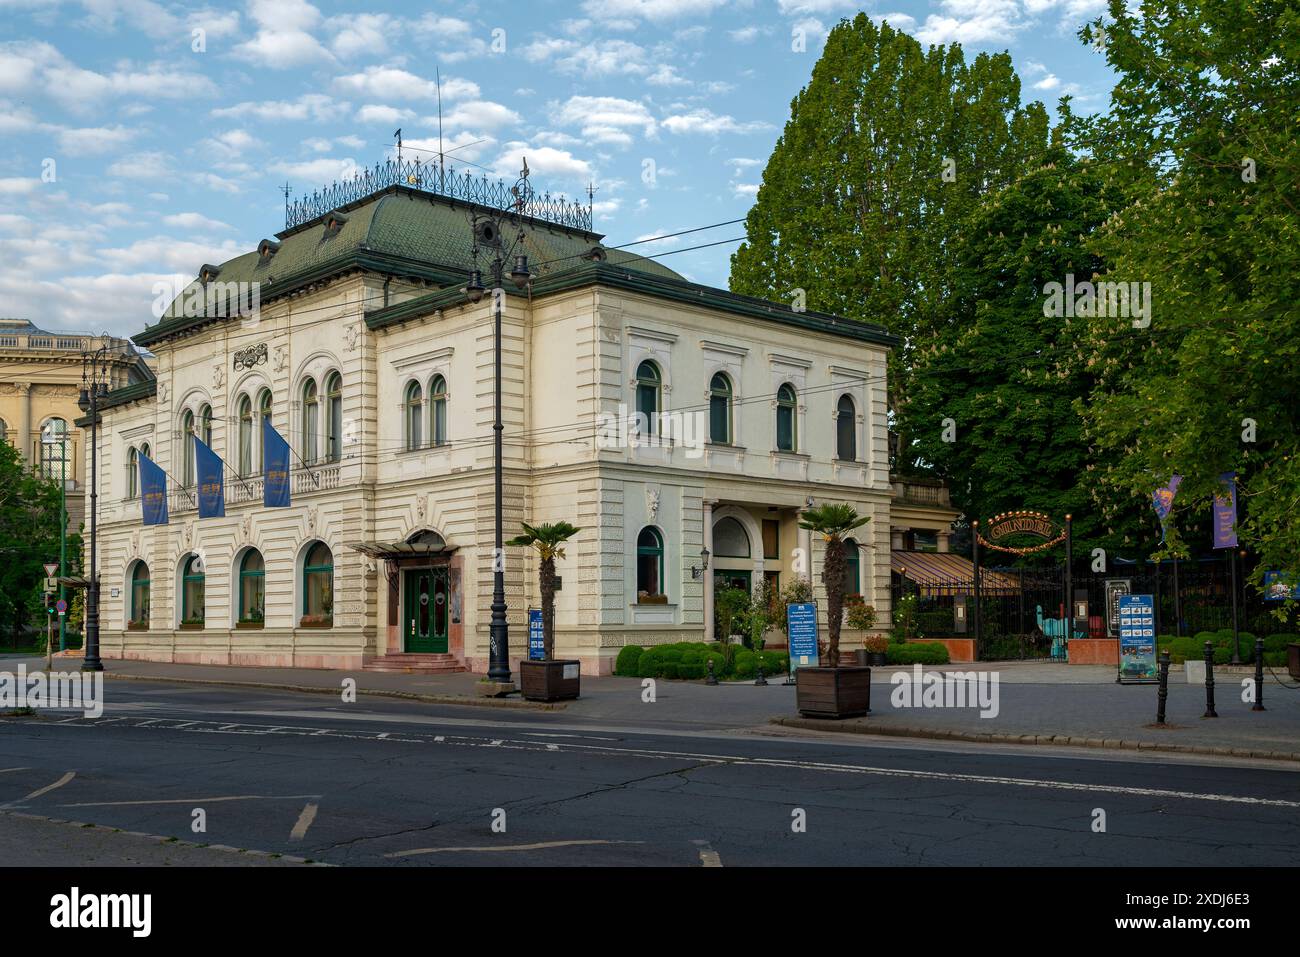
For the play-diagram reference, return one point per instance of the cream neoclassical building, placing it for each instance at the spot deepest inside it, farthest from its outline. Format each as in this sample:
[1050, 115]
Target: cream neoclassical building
[367, 355]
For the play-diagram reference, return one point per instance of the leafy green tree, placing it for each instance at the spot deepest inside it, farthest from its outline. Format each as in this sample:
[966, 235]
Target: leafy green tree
[833, 522]
[29, 537]
[1202, 136]
[1006, 373]
[886, 151]
[549, 540]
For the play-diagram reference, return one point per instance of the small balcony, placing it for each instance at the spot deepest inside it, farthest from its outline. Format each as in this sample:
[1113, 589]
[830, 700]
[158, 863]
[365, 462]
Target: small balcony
[921, 492]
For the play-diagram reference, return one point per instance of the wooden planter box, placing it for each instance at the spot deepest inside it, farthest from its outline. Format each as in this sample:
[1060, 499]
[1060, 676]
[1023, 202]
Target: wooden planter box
[833, 692]
[555, 680]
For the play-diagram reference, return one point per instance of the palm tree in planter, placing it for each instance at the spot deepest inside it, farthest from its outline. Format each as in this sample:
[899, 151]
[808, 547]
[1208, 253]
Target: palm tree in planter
[548, 679]
[832, 691]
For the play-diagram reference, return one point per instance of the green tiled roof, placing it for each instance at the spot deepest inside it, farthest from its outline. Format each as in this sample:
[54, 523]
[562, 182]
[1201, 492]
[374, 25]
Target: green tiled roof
[400, 232]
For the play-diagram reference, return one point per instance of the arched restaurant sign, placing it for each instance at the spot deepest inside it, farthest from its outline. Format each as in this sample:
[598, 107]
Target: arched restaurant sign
[1001, 530]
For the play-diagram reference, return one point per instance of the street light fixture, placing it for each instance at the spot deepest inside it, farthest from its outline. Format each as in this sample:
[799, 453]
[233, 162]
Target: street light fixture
[489, 227]
[94, 388]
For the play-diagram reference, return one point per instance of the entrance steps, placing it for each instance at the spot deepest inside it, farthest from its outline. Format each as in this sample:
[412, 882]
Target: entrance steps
[416, 664]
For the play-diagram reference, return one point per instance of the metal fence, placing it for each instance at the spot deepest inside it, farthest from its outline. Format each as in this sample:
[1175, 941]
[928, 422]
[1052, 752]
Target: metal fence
[1022, 609]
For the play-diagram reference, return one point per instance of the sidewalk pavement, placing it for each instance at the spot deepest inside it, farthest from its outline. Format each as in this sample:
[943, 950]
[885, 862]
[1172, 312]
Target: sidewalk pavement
[1038, 703]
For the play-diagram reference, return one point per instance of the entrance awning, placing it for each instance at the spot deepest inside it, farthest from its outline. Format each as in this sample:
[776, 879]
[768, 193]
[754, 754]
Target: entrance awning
[383, 550]
[943, 573]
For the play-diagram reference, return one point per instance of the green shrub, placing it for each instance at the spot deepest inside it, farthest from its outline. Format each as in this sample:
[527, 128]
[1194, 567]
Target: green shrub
[669, 669]
[917, 653]
[775, 662]
[745, 664]
[938, 622]
[692, 671]
[628, 661]
[1279, 642]
[1275, 659]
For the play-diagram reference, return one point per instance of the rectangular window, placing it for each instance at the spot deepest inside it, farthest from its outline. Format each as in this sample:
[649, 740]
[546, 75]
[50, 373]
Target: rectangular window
[925, 541]
[771, 538]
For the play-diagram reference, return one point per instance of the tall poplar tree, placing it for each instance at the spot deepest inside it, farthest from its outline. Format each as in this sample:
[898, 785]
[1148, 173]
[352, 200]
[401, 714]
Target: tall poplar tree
[886, 151]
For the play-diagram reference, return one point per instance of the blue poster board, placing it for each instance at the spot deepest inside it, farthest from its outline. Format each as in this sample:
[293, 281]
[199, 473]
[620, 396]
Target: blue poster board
[1137, 639]
[801, 625]
[536, 635]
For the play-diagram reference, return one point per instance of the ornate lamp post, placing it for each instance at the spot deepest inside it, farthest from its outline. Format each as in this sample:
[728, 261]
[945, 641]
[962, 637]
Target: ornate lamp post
[94, 387]
[490, 227]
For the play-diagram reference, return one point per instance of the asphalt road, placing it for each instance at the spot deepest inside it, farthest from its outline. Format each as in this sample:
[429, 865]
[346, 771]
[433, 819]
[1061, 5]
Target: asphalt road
[406, 784]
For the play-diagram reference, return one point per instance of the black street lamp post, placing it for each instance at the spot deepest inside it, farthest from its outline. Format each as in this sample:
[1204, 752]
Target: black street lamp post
[489, 227]
[94, 387]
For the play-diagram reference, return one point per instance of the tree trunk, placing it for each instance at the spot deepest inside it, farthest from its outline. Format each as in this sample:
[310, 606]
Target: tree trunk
[833, 579]
[547, 575]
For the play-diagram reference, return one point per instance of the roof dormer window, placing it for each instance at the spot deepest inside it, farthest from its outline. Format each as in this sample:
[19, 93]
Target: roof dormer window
[333, 223]
[208, 272]
[266, 249]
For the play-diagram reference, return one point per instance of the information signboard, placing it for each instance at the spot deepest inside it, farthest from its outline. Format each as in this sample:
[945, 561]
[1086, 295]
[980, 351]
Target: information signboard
[1137, 639]
[801, 626]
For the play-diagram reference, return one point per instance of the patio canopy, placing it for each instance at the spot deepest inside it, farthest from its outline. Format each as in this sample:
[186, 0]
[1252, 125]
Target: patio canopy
[943, 573]
[383, 550]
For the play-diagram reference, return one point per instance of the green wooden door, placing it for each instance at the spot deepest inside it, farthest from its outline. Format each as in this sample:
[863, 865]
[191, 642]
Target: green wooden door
[425, 600]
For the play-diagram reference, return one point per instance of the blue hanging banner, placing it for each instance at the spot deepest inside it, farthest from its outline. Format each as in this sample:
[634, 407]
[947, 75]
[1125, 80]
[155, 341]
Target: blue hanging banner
[153, 492]
[1225, 512]
[275, 467]
[212, 489]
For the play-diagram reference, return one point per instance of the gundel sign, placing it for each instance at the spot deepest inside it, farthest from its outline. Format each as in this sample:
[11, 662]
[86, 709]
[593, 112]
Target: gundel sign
[1010, 525]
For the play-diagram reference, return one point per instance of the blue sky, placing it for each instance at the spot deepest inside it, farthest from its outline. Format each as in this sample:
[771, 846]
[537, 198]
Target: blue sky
[128, 156]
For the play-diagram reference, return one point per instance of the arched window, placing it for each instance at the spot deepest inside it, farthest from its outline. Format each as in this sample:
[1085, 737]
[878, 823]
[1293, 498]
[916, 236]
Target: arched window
[310, 421]
[852, 568]
[730, 540]
[720, 409]
[649, 386]
[205, 425]
[786, 439]
[144, 450]
[252, 587]
[649, 562]
[438, 396]
[187, 453]
[414, 413]
[53, 459]
[846, 429]
[334, 417]
[139, 605]
[132, 472]
[193, 581]
[318, 586]
[4, 431]
[264, 401]
[245, 436]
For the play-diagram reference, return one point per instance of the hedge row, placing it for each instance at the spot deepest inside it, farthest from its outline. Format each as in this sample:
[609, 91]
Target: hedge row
[916, 653]
[1181, 649]
[690, 660]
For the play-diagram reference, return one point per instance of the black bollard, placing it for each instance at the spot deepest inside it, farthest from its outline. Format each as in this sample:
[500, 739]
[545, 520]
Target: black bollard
[1259, 675]
[1163, 694]
[711, 678]
[1209, 682]
[760, 680]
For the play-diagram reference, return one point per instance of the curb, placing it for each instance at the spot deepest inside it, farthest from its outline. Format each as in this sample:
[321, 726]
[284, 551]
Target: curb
[1053, 740]
[379, 693]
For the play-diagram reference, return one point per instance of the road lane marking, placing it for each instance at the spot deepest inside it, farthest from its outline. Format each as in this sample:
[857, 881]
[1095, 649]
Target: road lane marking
[504, 847]
[708, 856]
[199, 800]
[7, 770]
[50, 787]
[304, 821]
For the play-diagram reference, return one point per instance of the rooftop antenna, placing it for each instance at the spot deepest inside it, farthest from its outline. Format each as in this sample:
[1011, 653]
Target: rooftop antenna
[286, 189]
[591, 197]
[398, 134]
[437, 73]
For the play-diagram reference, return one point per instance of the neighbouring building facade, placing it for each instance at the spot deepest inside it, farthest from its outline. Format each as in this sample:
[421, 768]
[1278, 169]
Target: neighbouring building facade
[40, 376]
[368, 356]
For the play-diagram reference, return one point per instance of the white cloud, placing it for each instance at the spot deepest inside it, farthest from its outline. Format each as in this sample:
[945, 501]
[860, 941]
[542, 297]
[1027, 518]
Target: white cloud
[18, 185]
[149, 165]
[383, 115]
[309, 106]
[543, 161]
[284, 36]
[394, 83]
[362, 33]
[317, 172]
[480, 114]
[38, 68]
[656, 10]
[197, 222]
[706, 121]
[605, 119]
[94, 140]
